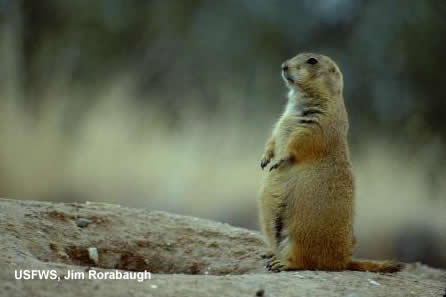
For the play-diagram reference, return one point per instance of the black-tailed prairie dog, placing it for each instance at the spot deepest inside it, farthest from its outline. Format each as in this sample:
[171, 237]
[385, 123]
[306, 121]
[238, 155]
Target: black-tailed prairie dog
[307, 197]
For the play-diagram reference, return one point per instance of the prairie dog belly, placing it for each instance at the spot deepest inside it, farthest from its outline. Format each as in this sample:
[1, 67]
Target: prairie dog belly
[320, 204]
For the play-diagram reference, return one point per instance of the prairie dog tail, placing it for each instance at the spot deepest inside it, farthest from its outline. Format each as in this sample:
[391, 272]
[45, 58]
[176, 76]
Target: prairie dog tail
[372, 266]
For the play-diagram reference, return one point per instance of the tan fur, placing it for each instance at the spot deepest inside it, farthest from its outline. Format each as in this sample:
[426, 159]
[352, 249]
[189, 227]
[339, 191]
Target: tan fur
[306, 201]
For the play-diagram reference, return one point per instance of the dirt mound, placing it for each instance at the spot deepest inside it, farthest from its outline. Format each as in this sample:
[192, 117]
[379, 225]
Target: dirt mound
[187, 257]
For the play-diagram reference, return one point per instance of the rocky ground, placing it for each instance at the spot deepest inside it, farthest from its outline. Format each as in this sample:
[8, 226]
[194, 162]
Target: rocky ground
[187, 257]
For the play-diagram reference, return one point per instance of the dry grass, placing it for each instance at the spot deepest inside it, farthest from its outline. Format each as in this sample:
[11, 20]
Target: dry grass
[124, 154]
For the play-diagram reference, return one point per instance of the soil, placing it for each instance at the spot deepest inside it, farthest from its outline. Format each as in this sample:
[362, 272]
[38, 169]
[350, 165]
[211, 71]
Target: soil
[186, 256]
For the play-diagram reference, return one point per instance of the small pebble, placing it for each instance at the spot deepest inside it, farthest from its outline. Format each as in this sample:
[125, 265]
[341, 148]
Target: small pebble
[153, 286]
[260, 293]
[7, 287]
[93, 255]
[82, 223]
[374, 282]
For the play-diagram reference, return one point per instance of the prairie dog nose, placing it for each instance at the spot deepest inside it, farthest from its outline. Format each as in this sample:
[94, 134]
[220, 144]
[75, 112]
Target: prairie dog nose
[284, 66]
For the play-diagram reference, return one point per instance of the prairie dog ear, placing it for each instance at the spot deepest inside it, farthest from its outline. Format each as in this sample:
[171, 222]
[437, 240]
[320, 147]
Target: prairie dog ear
[333, 77]
[334, 81]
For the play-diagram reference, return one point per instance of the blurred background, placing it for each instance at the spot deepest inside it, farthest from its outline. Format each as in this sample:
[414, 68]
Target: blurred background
[167, 105]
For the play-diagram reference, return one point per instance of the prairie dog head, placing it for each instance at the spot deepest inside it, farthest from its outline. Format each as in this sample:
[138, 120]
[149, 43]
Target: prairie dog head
[314, 75]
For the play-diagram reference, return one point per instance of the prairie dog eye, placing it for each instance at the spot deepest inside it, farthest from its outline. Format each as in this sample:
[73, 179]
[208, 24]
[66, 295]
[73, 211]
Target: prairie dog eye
[312, 61]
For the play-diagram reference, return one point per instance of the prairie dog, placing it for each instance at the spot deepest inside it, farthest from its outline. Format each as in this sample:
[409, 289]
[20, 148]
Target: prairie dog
[307, 198]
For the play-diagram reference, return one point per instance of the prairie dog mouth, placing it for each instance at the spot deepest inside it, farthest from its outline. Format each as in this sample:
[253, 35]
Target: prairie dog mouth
[286, 76]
